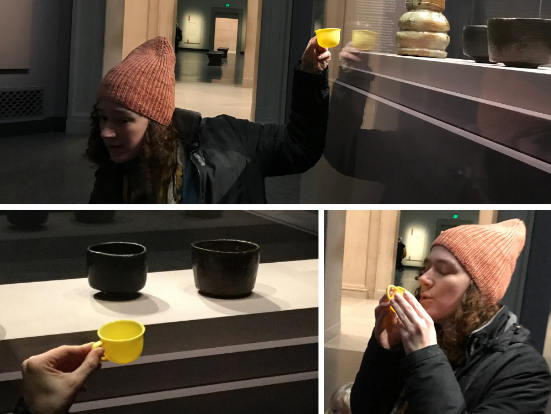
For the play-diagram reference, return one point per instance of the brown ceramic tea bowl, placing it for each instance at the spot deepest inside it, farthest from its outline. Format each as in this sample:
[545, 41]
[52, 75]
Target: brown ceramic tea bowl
[225, 268]
[523, 43]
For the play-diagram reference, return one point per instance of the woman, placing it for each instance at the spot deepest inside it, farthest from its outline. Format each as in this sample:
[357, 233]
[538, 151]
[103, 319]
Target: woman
[453, 348]
[147, 151]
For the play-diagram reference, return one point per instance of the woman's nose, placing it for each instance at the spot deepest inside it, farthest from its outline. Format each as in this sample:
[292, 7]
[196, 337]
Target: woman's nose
[107, 132]
[425, 279]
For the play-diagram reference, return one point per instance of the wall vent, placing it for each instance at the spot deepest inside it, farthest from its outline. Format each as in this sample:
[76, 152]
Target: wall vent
[21, 104]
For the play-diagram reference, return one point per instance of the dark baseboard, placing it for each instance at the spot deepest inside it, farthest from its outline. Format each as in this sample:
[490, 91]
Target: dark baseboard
[52, 124]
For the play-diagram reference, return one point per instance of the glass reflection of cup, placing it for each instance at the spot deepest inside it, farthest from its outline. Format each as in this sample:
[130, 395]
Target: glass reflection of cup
[328, 37]
[364, 39]
[122, 341]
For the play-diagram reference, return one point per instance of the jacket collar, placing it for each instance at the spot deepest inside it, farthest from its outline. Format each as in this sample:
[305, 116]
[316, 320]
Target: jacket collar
[187, 124]
[497, 333]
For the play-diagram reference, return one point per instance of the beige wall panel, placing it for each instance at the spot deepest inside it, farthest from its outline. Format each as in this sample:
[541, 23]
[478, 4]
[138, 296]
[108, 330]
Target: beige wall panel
[487, 217]
[355, 249]
[136, 16]
[225, 34]
[256, 47]
[373, 252]
[114, 30]
[166, 18]
[129, 23]
[153, 19]
[251, 40]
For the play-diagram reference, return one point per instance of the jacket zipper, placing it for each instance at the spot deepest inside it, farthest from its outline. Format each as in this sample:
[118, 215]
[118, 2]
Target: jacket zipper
[196, 157]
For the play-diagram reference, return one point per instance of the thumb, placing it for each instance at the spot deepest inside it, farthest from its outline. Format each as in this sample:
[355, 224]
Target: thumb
[91, 363]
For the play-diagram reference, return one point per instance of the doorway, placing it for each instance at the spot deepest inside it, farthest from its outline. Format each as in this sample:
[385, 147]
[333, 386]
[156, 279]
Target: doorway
[225, 33]
[222, 23]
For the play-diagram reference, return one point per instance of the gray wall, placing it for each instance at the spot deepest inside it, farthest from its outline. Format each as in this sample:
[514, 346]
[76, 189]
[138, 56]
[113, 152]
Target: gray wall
[50, 52]
[203, 8]
[428, 219]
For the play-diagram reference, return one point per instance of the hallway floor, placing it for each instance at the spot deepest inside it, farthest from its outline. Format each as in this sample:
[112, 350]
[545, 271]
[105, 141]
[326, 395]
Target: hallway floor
[212, 90]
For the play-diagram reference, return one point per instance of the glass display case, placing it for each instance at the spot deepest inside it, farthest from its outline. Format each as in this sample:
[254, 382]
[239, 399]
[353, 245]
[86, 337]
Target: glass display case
[417, 129]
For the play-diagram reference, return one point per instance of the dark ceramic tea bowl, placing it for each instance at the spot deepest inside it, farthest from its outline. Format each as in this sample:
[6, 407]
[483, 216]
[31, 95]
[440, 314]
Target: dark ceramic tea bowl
[205, 214]
[27, 219]
[225, 268]
[94, 216]
[117, 268]
[475, 43]
[523, 43]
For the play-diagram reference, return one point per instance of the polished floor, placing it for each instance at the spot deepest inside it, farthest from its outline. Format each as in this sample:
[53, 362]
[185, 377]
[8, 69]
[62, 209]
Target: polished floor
[212, 90]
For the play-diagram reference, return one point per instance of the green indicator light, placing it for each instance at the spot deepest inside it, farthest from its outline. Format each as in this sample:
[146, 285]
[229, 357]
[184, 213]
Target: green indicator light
[227, 4]
[455, 216]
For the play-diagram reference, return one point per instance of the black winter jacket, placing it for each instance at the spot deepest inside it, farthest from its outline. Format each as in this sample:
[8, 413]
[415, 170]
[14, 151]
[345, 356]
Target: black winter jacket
[502, 374]
[231, 157]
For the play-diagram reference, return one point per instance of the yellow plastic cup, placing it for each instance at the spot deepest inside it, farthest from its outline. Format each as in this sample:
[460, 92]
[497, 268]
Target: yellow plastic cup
[122, 341]
[395, 290]
[328, 37]
[364, 39]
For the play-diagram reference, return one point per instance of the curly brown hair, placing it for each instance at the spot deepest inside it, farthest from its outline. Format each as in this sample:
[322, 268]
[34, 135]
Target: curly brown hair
[471, 313]
[157, 155]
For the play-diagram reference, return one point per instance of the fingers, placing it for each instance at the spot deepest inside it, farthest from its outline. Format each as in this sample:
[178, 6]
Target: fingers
[68, 358]
[91, 363]
[326, 55]
[383, 299]
[382, 307]
[421, 312]
[404, 310]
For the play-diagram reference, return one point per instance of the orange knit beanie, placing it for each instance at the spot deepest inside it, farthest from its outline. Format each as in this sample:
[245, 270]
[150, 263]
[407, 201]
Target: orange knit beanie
[487, 252]
[144, 82]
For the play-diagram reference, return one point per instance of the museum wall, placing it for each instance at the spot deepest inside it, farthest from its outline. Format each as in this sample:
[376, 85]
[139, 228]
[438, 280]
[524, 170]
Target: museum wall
[201, 9]
[50, 42]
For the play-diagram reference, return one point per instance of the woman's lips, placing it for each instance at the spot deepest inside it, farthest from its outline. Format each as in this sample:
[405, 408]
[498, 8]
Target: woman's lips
[425, 297]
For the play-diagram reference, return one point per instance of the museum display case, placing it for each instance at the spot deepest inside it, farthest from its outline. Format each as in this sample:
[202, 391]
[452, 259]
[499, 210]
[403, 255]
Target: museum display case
[419, 129]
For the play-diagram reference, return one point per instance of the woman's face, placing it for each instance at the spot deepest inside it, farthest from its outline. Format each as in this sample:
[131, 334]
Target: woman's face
[443, 284]
[121, 129]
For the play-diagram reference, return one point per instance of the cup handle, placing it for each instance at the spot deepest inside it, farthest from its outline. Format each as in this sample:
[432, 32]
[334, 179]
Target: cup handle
[97, 345]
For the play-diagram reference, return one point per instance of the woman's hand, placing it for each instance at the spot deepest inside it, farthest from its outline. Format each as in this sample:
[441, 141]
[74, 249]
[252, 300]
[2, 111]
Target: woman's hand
[315, 58]
[387, 331]
[51, 381]
[416, 327]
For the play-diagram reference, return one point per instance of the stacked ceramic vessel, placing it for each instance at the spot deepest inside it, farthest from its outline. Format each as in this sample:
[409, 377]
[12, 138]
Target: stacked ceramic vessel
[423, 29]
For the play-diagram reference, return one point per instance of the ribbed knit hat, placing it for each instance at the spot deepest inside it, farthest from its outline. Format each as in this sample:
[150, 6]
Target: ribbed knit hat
[488, 253]
[144, 81]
